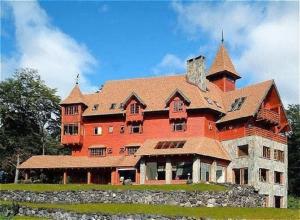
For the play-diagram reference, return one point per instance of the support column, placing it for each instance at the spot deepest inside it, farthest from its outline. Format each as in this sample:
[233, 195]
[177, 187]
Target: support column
[89, 177]
[113, 177]
[196, 170]
[168, 171]
[65, 177]
[142, 172]
[213, 171]
[26, 175]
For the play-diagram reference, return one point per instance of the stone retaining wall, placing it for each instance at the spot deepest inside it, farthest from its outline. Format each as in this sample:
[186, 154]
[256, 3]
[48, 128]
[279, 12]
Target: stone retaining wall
[57, 214]
[236, 196]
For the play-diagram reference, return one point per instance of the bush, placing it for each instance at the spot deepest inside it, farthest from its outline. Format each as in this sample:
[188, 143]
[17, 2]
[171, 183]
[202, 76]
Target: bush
[293, 202]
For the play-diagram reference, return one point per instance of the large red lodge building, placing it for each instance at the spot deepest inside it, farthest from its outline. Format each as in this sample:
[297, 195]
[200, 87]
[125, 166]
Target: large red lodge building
[169, 129]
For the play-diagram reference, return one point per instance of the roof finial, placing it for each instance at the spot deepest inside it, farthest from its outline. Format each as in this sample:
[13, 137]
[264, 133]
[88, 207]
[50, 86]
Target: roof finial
[222, 37]
[77, 79]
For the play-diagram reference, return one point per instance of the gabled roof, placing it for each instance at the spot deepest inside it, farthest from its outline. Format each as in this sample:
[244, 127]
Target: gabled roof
[133, 94]
[222, 62]
[193, 145]
[254, 94]
[153, 91]
[74, 97]
[54, 162]
[177, 91]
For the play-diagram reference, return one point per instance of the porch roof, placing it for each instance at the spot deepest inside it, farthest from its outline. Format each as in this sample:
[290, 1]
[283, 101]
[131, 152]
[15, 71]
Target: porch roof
[57, 162]
[193, 145]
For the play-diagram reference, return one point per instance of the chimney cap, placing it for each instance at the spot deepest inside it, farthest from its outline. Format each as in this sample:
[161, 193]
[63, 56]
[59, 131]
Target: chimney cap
[195, 58]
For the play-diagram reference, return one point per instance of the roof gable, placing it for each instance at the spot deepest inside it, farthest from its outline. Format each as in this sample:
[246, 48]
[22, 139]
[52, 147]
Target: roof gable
[177, 92]
[133, 95]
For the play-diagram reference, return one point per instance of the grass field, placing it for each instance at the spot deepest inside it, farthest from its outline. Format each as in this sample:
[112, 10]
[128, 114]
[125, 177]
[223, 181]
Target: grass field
[167, 210]
[61, 187]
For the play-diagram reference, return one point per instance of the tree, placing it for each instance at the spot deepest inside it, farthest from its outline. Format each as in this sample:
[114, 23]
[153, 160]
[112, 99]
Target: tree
[29, 119]
[293, 113]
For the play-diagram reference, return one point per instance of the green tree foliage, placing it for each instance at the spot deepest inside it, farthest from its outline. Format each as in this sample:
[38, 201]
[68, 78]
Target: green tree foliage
[294, 150]
[29, 119]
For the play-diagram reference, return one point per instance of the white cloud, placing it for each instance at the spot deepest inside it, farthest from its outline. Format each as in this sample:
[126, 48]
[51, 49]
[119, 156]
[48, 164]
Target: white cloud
[263, 37]
[169, 64]
[42, 46]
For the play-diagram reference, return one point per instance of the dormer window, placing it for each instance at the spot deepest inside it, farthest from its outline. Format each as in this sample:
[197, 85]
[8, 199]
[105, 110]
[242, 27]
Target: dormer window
[178, 106]
[134, 108]
[209, 101]
[121, 106]
[113, 106]
[237, 104]
[71, 110]
[95, 107]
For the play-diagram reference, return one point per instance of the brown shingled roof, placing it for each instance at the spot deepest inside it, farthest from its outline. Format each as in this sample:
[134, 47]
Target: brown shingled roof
[254, 94]
[222, 62]
[154, 91]
[52, 162]
[74, 97]
[193, 145]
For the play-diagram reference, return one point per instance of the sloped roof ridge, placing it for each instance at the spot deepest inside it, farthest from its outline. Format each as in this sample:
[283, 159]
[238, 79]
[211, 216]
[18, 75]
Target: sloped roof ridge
[146, 77]
[251, 86]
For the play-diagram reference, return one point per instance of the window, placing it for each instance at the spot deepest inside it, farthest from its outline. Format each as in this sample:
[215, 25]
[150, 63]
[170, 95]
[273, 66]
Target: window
[279, 155]
[182, 170]
[136, 128]
[241, 176]
[113, 106]
[122, 129]
[178, 106]
[266, 152]
[121, 106]
[110, 129]
[205, 169]
[264, 175]
[169, 144]
[179, 126]
[97, 131]
[95, 107]
[278, 177]
[71, 129]
[134, 108]
[96, 152]
[243, 150]
[209, 101]
[132, 149]
[71, 110]
[266, 200]
[237, 104]
[277, 201]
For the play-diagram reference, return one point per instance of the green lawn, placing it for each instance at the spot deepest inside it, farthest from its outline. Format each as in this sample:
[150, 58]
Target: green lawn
[167, 210]
[61, 187]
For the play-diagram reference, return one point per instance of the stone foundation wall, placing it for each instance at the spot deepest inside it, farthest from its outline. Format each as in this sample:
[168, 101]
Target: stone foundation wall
[235, 196]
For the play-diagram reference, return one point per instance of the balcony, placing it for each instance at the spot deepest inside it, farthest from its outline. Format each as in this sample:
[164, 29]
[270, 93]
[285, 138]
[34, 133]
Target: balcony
[177, 115]
[72, 139]
[250, 131]
[134, 117]
[268, 116]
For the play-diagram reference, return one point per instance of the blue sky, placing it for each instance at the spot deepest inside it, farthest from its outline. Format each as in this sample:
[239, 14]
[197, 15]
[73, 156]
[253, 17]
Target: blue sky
[119, 40]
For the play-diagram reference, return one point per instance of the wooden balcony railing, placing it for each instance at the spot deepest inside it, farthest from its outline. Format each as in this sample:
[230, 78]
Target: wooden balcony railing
[266, 134]
[177, 115]
[268, 116]
[72, 139]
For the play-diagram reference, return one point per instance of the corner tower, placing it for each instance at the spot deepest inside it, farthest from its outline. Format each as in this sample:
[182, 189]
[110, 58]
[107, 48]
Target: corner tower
[222, 72]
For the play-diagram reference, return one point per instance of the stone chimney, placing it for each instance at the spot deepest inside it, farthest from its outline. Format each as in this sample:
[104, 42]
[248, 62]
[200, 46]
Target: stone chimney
[196, 72]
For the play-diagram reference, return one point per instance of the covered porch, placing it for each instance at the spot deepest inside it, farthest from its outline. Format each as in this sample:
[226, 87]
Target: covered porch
[112, 170]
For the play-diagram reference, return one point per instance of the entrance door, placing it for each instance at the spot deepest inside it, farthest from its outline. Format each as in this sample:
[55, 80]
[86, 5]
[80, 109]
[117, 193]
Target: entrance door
[277, 201]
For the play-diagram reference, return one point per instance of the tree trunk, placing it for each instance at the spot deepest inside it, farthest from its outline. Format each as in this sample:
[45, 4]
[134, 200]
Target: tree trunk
[17, 170]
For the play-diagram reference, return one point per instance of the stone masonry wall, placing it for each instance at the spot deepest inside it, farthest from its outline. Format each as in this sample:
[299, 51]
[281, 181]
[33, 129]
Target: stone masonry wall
[235, 196]
[254, 161]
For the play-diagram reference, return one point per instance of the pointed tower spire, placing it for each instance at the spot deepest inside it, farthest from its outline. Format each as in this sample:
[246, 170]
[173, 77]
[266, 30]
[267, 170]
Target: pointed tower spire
[222, 62]
[75, 96]
[222, 72]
